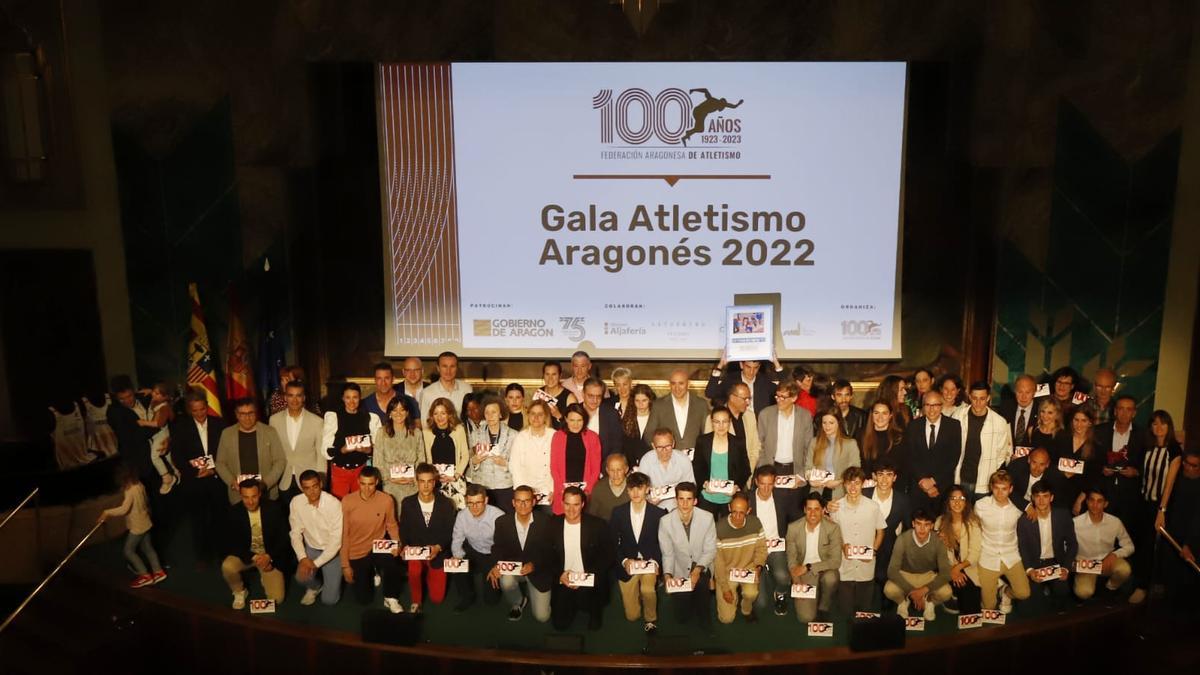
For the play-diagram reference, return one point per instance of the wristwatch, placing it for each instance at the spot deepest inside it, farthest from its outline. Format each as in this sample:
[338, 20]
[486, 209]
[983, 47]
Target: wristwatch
[716, 372]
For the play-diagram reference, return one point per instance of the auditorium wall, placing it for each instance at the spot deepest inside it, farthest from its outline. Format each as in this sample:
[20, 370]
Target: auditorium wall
[253, 114]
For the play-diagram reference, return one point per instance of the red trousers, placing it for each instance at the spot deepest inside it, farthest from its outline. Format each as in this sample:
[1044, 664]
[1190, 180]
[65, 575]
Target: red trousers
[436, 577]
[343, 481]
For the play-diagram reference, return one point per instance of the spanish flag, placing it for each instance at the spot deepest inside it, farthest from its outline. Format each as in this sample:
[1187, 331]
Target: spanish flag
[239, 374]
[201, 373]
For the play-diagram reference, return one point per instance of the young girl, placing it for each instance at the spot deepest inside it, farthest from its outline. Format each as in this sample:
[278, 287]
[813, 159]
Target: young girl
[137, 519]
[160, 415]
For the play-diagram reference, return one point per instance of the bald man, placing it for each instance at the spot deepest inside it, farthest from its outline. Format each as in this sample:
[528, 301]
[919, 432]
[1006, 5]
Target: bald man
[414, 377]
[681, 411]
[1100, 405]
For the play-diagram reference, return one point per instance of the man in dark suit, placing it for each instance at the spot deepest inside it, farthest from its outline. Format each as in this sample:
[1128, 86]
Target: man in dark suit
[523, 537]
[133, 440]
[266, 549]
[602, 419]
[775, 509]
[1020, 412]
[1053, 527]
[853, 418]
[634, 526]
[194, 443]
[680, 410]
[1027, 474]
[761, 381]
[579, 544]
[932, 446]
[1123, 445]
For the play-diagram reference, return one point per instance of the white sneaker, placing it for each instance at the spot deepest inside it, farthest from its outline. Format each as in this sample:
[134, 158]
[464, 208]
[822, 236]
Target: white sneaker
[168, 482]
[239, 599]
[1005, 603]
[310, 596]
[902, 608]
[393, 605]
[930, 614]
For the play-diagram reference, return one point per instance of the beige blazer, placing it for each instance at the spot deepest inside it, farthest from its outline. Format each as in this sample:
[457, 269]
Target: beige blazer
[307, 453]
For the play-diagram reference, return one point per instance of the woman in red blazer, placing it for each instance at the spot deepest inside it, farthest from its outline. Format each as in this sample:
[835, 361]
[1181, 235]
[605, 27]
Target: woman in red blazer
[574, 455]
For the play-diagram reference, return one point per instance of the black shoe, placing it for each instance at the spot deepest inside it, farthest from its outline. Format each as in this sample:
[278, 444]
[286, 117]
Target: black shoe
[752, 617]
[950, 606]
[781, 605]
[822, 616]
[518, 611]
[463, 605]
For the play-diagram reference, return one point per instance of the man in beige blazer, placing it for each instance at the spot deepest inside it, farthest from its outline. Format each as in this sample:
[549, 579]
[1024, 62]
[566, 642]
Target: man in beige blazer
[263, 451]
[301, 432]
[816, 567]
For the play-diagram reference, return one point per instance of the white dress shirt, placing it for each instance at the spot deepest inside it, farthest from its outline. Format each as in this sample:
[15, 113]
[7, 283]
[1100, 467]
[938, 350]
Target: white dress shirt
[202, 428]
[1096, 539]
[765, 510]
[785, 429]
[1045, 537]
[572, 550]
[859, 524]
[998, 525]
[319, 526]
[293, 428]
[812, 539]
[681, 413]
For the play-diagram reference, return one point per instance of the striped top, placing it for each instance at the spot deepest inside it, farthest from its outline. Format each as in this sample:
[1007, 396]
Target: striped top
[1154, 471]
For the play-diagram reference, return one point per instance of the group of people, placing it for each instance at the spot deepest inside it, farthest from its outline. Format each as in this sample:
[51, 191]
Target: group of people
[767, 494]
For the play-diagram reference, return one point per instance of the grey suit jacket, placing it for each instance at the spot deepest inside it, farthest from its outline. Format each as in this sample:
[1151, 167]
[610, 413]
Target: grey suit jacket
[272, 459]
[308, 453]
[829, 545]
[848, 457]
[662, 414]
[679, 551]
[802, 436]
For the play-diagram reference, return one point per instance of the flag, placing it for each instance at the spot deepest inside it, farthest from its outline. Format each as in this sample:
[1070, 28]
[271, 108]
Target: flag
[270, 345]
[239, 374]
[201, 372]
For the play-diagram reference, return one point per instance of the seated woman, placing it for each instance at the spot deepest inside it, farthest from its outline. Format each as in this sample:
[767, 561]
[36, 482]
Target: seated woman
[554, 393]
[446, 444]
[398, 442]
[833, 451]
[883, 440]
[574, 455]
[491, 446]
[958, 528]
[720, 456]
[634, 420]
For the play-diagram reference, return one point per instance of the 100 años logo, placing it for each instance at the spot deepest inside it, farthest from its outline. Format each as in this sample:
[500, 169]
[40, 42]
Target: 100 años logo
[670, 116]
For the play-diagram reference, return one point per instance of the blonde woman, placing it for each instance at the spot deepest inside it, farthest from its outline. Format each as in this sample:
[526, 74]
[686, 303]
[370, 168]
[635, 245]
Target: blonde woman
[1049, 432]
[958, 528]
[446, 443]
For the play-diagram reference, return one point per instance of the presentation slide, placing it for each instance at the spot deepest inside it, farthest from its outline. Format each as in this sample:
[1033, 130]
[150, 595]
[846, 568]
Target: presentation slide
[531, 209]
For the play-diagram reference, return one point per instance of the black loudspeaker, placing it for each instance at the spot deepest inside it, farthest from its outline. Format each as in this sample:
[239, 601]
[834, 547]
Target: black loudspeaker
[380, 625]
[885, 632]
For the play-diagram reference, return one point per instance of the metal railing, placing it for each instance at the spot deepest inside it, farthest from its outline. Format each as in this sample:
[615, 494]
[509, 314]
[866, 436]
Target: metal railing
[18, 508]
[50, 576]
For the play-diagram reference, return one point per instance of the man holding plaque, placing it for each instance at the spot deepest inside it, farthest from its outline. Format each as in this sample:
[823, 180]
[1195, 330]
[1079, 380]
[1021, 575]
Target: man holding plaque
[775, 513]
[371, 541]
[520, 545]
[194, 442]
[741, 554]
[664, 466]
[1048, 547]
[634, 528]
[687, 537]
[814, 552]
[256, 537]
[581, 551]
[1104, 547]
[472, 541]
[760, 382]
[862, 525]
[426, 528]
[250, 450]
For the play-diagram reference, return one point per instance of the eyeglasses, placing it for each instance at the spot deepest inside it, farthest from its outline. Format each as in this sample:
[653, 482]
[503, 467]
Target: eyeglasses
[1195, 466]
[664, 447]
[475, 502]
[958, 498]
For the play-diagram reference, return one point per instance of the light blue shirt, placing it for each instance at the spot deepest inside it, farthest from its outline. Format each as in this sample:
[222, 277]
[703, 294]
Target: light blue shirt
[678, 470]
[478, 532]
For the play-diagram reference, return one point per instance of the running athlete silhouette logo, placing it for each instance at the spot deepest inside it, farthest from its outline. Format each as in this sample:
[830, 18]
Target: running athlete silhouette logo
[705, 108]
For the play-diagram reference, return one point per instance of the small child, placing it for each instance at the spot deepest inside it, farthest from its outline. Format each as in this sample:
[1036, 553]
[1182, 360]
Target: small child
[160, 415]
[137, 519]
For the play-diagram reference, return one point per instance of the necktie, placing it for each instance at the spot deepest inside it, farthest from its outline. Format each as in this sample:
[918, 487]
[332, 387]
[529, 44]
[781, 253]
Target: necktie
[932, 428]
[1019, 432]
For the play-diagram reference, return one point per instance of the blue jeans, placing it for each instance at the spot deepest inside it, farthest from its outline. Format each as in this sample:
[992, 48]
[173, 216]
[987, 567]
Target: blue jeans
[136, 542]
[330, 573]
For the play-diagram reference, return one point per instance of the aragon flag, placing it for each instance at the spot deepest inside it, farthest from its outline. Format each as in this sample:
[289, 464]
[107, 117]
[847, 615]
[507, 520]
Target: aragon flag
[201, 373]
[239, 374]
